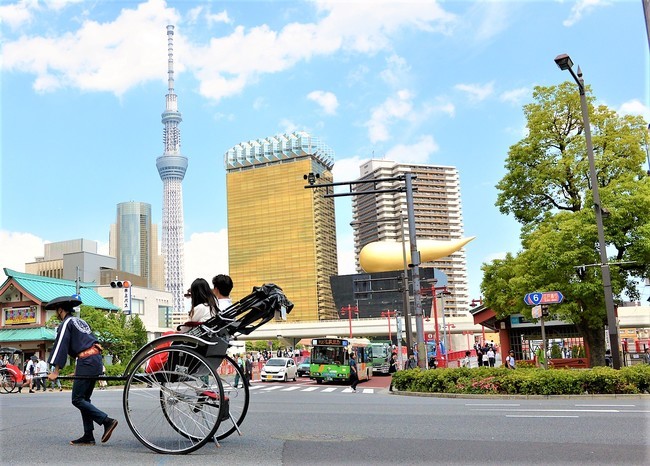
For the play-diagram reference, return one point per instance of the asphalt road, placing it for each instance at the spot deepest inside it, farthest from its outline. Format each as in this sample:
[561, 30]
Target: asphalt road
[307, 424]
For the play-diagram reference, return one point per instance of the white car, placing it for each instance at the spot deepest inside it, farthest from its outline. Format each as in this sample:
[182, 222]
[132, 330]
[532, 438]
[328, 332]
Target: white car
[281, 369]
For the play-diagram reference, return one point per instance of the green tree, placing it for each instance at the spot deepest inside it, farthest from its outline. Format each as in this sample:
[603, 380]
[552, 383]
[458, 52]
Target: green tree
[547, 189]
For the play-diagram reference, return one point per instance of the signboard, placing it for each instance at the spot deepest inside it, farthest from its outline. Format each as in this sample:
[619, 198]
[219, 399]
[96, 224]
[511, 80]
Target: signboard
[537, 311]
[547, 297]
[20, 315]
[125, 296]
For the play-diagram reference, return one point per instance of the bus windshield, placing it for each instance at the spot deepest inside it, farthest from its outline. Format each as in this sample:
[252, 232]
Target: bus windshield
[328, 355]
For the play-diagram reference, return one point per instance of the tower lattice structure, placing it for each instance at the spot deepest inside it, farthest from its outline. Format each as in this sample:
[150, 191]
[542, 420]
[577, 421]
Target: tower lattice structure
[171, 167]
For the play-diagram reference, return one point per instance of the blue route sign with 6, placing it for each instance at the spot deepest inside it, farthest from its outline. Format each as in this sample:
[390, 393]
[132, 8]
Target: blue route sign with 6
[547, 297]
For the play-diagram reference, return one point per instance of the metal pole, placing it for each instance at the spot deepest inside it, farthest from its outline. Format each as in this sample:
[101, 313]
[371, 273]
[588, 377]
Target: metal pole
[444, 323]
[398, 321]
[405, 284]
[415, 262]
[541, 321]
[435, 320]
[607, 282]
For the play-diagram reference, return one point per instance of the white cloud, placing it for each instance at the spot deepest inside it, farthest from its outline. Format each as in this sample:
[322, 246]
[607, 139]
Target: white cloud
[418, 152]
[396, 70]
[492, 18]
[112, 56]
[206, 255]
[580, 8]
[515, 96]
[477, 92]
[398, 107]
[347, 169]
[222, 17]
[288, 126]
[118, 55]
[326, 100]
[16, 249]
[635, 107]
[345, 254]
[17, 14]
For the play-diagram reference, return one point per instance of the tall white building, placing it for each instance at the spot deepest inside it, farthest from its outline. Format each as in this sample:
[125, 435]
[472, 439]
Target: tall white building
[171, 167]
[438, 216]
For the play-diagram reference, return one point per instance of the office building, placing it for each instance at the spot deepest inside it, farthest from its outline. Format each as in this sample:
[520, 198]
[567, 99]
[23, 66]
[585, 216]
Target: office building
[278, 231]
[438, 216]
[133, 240]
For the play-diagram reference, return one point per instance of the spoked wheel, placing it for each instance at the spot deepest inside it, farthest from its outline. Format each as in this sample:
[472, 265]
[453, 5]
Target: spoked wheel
[173, 400]
[236, 396]
[7, 381]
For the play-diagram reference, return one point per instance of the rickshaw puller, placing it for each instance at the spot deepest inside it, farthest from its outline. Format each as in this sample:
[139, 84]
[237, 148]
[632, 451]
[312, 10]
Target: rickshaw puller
[74, 337]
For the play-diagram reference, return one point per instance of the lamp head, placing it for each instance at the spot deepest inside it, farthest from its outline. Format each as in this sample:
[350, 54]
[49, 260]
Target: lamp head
[564, 62]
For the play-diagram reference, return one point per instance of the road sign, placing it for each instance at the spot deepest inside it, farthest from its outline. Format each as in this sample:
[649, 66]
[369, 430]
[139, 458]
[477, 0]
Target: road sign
[547, 297]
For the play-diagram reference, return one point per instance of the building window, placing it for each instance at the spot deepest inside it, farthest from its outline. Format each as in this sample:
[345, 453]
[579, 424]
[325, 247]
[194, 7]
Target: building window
[137, 306]
[165, 316]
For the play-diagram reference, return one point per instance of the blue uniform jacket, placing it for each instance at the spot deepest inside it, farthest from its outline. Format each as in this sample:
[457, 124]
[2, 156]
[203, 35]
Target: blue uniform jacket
[72, 337]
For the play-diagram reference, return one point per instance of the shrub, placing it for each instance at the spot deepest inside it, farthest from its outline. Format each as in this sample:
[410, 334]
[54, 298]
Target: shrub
[525, 381]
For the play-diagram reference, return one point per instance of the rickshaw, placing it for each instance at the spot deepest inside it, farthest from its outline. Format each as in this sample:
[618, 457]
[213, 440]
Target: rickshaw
[180, 391]
[11, 377]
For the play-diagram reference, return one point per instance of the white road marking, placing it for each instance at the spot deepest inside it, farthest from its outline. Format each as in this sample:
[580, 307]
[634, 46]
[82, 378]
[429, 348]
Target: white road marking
[368, 390]
[290, 389]
[492, 404]
[331, 389]
[535, 415]
[606, 406]
[309, 389]
[554, 410]
[268, 389]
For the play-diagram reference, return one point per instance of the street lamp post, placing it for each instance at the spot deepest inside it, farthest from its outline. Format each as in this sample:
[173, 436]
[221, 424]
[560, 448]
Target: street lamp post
[350, 309]
[564, 62]
[388, 315]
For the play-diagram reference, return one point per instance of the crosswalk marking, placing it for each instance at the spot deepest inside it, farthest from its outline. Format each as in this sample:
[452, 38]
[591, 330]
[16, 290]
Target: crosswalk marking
[290, 389]
[310, 389]
[272, 387]
[368, 390]
[331, 389]
[262, 387]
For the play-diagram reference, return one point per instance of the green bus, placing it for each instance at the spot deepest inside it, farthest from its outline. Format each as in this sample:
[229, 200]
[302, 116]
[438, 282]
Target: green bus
[381, 351]
[330, 359]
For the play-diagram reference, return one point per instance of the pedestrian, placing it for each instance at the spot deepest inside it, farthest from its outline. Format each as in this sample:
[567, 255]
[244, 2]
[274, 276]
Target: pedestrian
[465, 361]
[30, 372]
[240, 363]
[646, 356]
[222, 287]
[485, 358]
[74, 338]
[102, 383]
[354, 374]
[392, 368]
[608, 358]
[248, 368]
[433, 362]
[41, 373]
[411, 363]
[56, 382]
[510, 360]
[491, 356]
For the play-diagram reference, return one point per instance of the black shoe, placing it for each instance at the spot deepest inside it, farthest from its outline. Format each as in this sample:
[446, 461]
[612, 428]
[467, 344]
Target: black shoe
[85, 440]
[109, 427]
[31, 391]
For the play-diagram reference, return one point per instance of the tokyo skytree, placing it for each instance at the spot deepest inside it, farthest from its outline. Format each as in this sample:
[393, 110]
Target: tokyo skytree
[171, 167]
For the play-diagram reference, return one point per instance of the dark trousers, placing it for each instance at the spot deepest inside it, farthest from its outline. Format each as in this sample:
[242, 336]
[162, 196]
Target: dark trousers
[354, 378]
[82, 390]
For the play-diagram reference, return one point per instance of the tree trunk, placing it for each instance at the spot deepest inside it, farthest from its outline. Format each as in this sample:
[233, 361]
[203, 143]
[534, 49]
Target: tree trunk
[595, 339]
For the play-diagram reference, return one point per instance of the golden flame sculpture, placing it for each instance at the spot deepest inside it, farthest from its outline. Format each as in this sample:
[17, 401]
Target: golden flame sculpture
[385, 256]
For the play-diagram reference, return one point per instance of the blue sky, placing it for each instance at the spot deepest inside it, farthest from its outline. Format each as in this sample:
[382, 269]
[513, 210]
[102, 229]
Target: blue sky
[84, 84]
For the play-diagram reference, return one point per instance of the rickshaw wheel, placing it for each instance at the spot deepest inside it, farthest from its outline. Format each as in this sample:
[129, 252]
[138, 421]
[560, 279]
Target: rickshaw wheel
[7, 381]
[173, 400]
[237, 395]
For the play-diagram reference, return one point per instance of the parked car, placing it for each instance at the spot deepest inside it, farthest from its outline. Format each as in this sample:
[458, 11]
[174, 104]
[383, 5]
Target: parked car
[281, 369]
[303, 368]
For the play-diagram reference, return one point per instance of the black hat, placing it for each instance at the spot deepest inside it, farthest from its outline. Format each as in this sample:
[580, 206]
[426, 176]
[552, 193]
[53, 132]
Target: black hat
[66, 302]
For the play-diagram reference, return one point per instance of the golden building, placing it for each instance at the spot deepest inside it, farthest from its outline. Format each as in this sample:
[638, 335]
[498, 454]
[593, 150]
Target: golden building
[278, 231]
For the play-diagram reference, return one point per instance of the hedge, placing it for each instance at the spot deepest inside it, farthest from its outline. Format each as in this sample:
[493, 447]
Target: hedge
[526, 381]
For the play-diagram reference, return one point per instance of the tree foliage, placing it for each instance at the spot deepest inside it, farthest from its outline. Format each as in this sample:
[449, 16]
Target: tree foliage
[547, 188]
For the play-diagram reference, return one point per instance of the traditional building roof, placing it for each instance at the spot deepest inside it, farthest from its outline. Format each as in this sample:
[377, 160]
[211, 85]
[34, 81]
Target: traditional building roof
[44, 289]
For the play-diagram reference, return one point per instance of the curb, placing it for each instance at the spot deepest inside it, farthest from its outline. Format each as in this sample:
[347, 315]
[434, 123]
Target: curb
[635, 396]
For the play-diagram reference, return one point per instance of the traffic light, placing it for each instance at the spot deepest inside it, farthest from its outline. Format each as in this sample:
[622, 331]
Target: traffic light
[120, 284]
